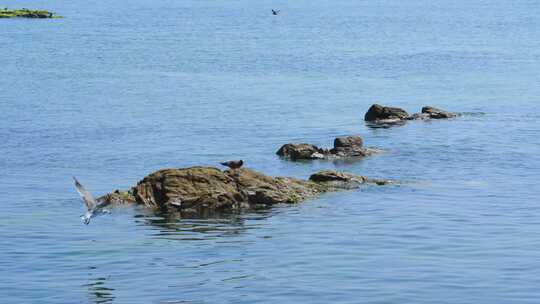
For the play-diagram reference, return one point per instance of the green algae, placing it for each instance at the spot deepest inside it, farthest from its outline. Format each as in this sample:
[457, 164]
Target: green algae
[26, 13]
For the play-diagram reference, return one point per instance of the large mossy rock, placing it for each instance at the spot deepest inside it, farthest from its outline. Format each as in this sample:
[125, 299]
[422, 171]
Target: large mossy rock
[186, 188]
[198, 189]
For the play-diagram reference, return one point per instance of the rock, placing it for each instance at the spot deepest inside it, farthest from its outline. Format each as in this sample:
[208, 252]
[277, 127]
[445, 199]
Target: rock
[389, 116]
[301, 151]
[26, 13]
[344, 147]
[189, 188]
[437, 113]
[119, 197]
[386, 114]
[341, 180]
[348, 142]
[419, 116]
[348, 146]
[262, 189]
[199, 189]
[331, 175]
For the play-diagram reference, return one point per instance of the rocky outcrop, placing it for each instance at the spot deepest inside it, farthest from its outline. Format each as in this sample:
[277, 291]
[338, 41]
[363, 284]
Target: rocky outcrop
[385, 114]
[197, 189]
[388, 115]
[26, 13]
[344, 147]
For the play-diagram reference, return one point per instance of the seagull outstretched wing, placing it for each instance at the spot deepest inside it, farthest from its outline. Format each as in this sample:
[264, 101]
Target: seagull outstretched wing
[87, 198]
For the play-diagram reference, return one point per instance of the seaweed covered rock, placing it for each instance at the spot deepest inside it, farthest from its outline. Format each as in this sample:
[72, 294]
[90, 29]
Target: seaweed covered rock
[263, 189]
[344, 147]
[197, 189]
[378, 113]
[188, 188]
[26, 13]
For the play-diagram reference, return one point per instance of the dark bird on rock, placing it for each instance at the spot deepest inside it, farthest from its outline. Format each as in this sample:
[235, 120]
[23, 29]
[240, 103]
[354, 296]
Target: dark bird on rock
[233, 164]
[275, 13]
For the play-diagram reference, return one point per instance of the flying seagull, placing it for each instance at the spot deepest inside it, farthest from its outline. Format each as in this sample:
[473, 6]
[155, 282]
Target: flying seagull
[93, 208]
[233, 164]
[274, 12]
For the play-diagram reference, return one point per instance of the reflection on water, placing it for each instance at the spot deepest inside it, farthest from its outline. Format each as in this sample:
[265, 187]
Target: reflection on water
[385, 125]
[398, 123]
[178, 226]
[99, 293]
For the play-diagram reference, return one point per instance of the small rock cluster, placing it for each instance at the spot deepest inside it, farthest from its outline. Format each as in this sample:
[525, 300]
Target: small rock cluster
[385, 115]
[344, 147]
[203, 189]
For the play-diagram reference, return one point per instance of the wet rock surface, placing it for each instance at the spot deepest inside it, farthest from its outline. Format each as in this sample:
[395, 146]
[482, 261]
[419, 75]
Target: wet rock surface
[435, 113]
[198, 189]
[382, 115]
[344, 147]
[301, 151]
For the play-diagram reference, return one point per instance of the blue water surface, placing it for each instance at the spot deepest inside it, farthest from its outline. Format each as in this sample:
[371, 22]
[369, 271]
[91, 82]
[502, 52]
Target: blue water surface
[118, 89]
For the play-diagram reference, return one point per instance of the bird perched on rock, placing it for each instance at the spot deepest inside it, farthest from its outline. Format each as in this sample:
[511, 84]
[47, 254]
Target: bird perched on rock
[233, 164]
[275, 13]
[93, 207]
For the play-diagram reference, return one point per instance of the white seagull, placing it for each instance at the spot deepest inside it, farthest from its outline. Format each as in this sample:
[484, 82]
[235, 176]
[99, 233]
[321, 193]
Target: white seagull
[93, 208]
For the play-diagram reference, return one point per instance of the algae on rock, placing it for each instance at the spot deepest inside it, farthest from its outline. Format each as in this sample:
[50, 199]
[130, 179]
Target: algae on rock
[197, 189]
[26, 13]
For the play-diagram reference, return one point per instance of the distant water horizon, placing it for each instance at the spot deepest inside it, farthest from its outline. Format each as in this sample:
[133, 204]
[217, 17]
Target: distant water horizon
[117, 90]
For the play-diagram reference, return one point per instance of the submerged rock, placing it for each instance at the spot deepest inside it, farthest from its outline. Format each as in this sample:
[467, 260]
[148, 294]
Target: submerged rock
[344, 147]
[437, 113]
[197, 189]
[26, 13]
[343, 180]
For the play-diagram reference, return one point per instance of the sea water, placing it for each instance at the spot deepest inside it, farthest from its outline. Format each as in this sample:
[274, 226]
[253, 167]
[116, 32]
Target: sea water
[119, 89]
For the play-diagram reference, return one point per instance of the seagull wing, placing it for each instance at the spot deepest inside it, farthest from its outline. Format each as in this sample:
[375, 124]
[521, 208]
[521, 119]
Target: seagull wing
[87, 198]
[102, 203]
